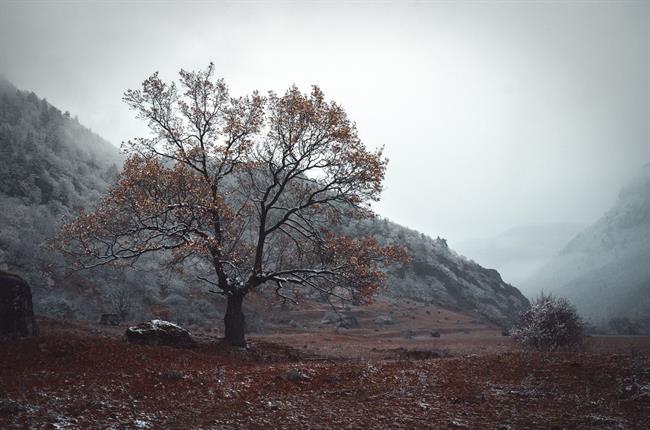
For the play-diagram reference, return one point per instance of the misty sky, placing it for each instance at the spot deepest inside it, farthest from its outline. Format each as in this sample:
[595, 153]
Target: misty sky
[492, 114]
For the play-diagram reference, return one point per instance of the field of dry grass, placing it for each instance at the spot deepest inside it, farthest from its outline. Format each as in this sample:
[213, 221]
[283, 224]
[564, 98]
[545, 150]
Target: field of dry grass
[82, 375]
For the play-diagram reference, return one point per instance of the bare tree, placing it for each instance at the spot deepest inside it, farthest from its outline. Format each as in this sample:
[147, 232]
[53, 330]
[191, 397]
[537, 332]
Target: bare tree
[252, 186]
[121, 300]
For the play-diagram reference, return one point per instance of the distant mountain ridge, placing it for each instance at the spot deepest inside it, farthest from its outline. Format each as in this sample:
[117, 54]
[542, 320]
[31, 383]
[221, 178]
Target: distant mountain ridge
[605, 269]
[522, 250]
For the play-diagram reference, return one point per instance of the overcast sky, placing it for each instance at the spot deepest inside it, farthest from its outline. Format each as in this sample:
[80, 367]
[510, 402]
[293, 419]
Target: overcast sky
[492, 114]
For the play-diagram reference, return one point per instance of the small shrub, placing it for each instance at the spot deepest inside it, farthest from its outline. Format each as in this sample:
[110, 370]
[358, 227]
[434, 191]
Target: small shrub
[624, 326]
[550, 324]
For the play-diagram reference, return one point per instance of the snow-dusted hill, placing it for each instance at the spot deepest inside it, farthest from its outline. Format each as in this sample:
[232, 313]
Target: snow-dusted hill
[439, 275]
[605, 269]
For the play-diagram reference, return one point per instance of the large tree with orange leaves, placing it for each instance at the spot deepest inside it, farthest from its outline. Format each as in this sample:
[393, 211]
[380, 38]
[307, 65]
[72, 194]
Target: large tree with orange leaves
[251, 187]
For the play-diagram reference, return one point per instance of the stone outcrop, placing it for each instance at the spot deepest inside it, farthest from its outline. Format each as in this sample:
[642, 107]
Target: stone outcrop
[16, 311]
[159, 332]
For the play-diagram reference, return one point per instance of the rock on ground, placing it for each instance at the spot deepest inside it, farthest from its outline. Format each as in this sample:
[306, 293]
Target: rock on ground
[159, 332]
[296, 375]
[16, 311]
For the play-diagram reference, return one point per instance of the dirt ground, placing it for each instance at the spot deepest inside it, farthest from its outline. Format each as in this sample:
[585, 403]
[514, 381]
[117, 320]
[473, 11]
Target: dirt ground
[461, 333]
[82, 375]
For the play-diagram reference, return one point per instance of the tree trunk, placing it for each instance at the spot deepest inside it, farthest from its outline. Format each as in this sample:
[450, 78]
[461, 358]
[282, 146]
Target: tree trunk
[234, 321]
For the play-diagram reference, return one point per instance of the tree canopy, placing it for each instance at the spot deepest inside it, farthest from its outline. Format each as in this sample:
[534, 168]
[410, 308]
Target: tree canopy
[247, 190]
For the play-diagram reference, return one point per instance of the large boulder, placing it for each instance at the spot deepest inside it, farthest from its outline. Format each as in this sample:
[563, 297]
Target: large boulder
[159, 332]
[16, 311]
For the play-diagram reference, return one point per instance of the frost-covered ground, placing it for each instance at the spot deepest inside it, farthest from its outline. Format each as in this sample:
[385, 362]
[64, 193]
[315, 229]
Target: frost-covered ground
[78, 375]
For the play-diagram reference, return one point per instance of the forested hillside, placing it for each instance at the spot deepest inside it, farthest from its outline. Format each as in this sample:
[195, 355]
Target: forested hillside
[51, 166]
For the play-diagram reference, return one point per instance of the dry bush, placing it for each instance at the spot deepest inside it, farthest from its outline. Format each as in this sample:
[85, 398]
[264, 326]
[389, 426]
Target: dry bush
[550, 324]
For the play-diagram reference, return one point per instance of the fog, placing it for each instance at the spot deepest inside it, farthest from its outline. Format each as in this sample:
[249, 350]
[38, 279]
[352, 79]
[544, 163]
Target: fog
[493, 115]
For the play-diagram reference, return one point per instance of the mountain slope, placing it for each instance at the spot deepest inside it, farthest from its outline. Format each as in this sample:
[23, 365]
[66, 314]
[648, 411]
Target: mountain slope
[439, 275]
[605, 270]
[51, 166]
